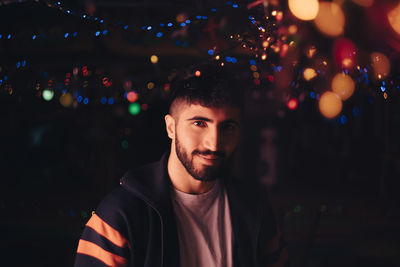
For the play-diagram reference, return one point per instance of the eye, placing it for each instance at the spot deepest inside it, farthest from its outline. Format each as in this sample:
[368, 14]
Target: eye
[229, 127]
[199, 123]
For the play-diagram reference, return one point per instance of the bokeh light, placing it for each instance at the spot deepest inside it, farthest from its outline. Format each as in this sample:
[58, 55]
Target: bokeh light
[309, 73]
[343, 85]
[292, 104]
[330, 105]
[154, 59]
[197, 73]
[345, 52]
[150, 85]
[304, 9]
[134, 108]
[381, 65]
[394, 18]
[132, 96]
[330, 19]
[48, 94]
[66, 100]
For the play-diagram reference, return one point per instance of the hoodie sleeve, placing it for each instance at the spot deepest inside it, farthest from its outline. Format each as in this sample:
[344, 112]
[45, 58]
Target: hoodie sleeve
[104, 240]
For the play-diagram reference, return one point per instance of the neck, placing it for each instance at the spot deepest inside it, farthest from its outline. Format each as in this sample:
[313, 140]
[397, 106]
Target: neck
[182, 180]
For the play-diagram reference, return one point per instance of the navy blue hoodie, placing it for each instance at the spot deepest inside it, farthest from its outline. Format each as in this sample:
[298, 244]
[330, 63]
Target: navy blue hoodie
[135, 224]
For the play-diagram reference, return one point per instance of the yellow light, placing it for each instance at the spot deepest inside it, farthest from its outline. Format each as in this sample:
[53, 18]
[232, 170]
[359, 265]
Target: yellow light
[292, 29]
[180, 18]
[394, 18]
[256, 75]
[385, 95]
[66, 100]
[154, 59]
[264, 56]
[343, 85]
[330, 105]
[381, 65]
[304, 9]
[253, 67]
[311, 51]
[330, 19]
[150, 85]
[273, 13]
[347, 62]
[265, 44]
[364, 3]
[325, 63]
[217, 57]
[309, 74]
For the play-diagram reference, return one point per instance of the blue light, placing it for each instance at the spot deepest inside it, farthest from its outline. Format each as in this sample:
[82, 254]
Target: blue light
[103, 100]
[86, 101]
[371, 100]
[188, 21]
[24, 63]
[97, 33]
[252, 62]
[383, 89]
[234, 60]
[235, 6]
[125, 27]
[198, 17]
[162, 24]
[383, 82]
[343, 119]
[79, 99]
[9, 36]
[149, 28]
[213, 10]
[144, 28]
[228, 59]
[210, 52]
[105, 32]
[1, 81]
[229, 3]
[365, 70]
[84, 16]
[169, 24]
[34, 37]
[75, 34]
[277, 68]
[58, 3]
[312, 95]
[159, 34]
[18, 64]
[204, 17]
[101, 21]
[1, 36]
[251, 17]
[183, 24]
[253, 21]
[356, 112]
[95, 18]
[111, 101]
[66, 35]
[64, 91]
[68, 11]
[346, 71]
[5, 78]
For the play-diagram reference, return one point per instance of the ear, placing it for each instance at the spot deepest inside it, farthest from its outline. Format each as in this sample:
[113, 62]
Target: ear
[170, 126]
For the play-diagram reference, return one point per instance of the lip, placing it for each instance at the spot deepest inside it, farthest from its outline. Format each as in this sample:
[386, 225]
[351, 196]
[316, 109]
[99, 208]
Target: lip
[210, 158]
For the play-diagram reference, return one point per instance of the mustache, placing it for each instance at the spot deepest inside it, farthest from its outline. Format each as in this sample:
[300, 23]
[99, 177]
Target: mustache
[220, 154]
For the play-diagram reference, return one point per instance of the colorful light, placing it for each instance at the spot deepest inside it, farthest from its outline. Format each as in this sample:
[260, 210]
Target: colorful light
[345, 52]
[309, 74]
[304, 9]
[48, 94]
[150, 85]
[330, 105]
[134, 108]
[343, 85]
[132, 96]
[66, 100]
[292, 104]
[154, 59]
[394, 18]
[330, 19]
[197, 73]
[381, 65]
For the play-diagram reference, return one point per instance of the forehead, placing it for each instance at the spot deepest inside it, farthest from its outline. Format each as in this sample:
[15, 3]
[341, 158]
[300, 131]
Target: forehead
[221, 113]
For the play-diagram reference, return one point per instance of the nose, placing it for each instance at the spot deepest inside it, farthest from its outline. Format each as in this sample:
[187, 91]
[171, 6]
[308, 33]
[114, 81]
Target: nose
[212, 140]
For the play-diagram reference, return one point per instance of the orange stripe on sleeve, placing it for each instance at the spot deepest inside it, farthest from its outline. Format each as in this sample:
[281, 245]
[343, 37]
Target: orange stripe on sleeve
[104, 229]
[93, 250]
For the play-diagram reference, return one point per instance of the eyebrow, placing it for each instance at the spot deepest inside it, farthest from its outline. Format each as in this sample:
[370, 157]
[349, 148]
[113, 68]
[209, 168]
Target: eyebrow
[200, 118]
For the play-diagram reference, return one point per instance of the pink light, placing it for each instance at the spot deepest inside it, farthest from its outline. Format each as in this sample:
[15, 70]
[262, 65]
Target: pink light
[292, 104]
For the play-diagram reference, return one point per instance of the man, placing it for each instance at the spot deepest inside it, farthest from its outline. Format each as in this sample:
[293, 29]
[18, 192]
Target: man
[187, 210]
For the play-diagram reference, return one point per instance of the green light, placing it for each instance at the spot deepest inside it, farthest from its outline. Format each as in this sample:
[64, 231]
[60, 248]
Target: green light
[134, 108]
[125, 144]
[297, 209]
[48, 94]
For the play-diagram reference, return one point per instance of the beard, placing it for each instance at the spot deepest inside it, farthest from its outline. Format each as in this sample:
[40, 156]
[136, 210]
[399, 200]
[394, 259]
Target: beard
[204, 173]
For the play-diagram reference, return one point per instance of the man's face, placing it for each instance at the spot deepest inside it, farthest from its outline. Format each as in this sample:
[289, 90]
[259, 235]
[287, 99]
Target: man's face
[205, 138]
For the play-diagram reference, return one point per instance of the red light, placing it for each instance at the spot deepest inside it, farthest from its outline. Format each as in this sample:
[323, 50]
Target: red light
[257, 81]
[145, 106]
[292, 104]
[167, 86]
[197, 73]
[84, 71]
[271, 78]
[132, 97]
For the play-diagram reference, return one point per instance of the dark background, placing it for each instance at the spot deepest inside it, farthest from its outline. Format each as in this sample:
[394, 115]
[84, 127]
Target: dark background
[333, 183]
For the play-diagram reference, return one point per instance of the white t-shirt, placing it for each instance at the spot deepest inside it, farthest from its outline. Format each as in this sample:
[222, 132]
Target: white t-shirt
[204, 228]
